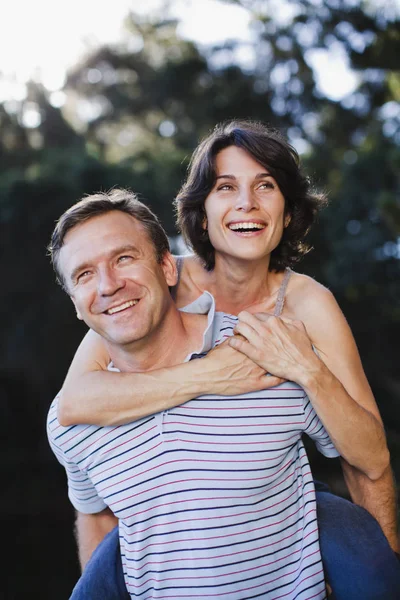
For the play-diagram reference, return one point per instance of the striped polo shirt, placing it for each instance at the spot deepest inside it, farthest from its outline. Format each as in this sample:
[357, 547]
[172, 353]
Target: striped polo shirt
[215, 497]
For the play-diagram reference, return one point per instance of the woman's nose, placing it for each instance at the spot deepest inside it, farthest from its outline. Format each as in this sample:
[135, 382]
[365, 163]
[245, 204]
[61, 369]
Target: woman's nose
[246, 200]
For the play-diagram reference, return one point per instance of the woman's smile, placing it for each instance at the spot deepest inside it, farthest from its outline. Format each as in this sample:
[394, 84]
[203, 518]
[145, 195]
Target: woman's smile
[245, 203]
[247, 228]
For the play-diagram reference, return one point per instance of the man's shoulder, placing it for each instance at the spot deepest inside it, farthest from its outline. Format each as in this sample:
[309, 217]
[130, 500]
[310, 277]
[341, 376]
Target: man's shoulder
[53, 424]
[52, 419]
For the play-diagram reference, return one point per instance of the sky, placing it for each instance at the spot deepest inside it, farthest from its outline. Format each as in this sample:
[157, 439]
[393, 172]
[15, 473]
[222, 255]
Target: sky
[41, 39]
[52, 36]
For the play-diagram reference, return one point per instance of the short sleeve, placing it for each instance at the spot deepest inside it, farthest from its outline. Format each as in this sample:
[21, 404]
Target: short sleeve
[81, 491]
[317, 432]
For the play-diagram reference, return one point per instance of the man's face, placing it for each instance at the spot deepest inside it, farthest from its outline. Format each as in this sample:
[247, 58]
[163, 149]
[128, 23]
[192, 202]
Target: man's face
[112, 275]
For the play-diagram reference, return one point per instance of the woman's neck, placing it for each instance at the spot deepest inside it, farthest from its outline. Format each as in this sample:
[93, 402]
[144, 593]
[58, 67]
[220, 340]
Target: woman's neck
[235, 285]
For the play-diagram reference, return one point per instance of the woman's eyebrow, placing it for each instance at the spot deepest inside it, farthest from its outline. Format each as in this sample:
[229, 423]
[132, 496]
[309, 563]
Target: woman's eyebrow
[225, 177]
[258, 176]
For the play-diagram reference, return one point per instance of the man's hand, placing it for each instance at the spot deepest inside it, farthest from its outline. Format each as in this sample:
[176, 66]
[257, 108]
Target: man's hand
[279, 346]
[229, 372]
[378, 497]
[90, 529]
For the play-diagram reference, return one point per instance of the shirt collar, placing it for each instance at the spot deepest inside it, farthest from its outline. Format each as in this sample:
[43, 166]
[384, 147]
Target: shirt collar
[203, 305]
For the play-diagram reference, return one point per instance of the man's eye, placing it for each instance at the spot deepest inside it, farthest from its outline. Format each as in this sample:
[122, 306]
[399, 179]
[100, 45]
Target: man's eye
[83, 275]
[124, 258]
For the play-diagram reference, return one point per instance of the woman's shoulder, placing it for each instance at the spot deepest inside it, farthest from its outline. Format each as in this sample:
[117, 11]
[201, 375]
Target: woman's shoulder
[191, 278]
[305, 284]
[190, 267]
[187, 261]
[307, 297]
[316, 306]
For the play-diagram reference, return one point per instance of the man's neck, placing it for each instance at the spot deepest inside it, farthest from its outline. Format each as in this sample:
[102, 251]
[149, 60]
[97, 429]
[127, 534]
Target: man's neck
[179, 335]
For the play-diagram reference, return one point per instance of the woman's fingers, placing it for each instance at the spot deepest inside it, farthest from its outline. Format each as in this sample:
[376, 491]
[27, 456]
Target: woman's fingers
[246, 347]
[266, 323]
[256, 328]
[246, 331]
[253, 319]
[272, 381]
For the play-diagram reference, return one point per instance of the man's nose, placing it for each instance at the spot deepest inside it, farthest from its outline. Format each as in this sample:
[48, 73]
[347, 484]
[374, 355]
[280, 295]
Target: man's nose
[246, 200]
[109, 282]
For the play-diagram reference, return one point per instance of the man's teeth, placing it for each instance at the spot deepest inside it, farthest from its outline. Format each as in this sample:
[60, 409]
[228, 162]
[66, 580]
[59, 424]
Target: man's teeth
[123, 306]
[246, 225]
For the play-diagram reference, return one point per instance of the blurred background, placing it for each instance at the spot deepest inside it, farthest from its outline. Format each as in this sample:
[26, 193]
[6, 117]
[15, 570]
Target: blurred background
[94, 97]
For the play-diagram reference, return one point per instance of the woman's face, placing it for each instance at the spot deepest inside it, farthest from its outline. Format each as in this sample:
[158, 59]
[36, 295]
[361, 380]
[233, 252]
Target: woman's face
[245, 210]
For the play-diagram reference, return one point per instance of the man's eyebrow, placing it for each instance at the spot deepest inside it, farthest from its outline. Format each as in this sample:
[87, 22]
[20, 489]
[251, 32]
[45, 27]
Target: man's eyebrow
[258, 176]
[78, 269]
[85, 265]
[125, 248]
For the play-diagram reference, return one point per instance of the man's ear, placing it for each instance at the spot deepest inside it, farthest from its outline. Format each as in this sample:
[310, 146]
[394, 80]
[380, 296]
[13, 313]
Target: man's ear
[168, 265]
[78, 314]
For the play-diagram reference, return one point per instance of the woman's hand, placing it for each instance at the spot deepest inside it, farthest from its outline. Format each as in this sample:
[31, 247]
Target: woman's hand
[278, 345]
[230, 373]
[282, 347]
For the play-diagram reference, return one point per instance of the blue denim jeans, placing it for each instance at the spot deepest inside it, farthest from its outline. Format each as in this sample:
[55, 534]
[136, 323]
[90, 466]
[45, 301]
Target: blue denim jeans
[103, 577]
[358, 561]
[359, 564]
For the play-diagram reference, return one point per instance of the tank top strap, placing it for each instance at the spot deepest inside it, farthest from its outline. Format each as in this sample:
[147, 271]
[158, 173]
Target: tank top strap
[179, 265]
[280, 301]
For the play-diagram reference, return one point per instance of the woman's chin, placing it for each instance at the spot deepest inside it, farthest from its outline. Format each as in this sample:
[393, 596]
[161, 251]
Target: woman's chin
[247, 255]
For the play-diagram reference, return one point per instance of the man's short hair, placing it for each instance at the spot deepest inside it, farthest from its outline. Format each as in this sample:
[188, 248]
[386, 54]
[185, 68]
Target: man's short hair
[270, 149]
[102, 203]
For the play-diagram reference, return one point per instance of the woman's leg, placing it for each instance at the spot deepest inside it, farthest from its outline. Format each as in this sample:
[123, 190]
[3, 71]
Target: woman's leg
[103, 577]
[358, 561]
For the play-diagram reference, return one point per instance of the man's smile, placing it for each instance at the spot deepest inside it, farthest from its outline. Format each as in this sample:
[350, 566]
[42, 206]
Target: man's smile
[120, 307]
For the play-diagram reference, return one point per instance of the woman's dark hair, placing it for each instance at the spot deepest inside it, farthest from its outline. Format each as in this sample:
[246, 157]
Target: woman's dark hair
[270, 149]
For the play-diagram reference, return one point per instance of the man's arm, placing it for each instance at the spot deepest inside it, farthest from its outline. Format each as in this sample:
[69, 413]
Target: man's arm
[90, 529]
[93, 395]
[378, 497]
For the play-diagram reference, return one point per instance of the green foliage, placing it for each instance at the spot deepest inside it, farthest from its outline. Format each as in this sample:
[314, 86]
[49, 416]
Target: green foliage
[132, 117]
[147, 102]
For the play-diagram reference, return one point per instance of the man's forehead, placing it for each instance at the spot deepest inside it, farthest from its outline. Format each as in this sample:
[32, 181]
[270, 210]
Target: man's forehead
[104, 235]
[110, 227]
[112, 220]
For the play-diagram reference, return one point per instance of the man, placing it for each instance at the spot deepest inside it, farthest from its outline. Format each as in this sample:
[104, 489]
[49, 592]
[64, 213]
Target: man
[185, 499]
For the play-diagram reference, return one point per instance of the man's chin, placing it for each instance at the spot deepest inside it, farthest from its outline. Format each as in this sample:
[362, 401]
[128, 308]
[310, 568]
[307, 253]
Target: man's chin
[122, 338]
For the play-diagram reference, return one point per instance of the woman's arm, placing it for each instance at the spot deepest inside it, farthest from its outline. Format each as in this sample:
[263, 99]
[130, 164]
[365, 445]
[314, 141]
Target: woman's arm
[93, 395]
[334, 380]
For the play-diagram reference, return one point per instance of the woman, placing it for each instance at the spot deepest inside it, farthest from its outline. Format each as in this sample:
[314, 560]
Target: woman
[245, 209]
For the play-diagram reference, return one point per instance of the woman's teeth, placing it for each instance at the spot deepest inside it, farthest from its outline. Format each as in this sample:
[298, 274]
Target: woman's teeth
[247, 226]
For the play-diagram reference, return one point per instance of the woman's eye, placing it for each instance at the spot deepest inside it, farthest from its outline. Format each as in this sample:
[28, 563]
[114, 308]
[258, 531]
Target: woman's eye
[266, 185]
[224, 187]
